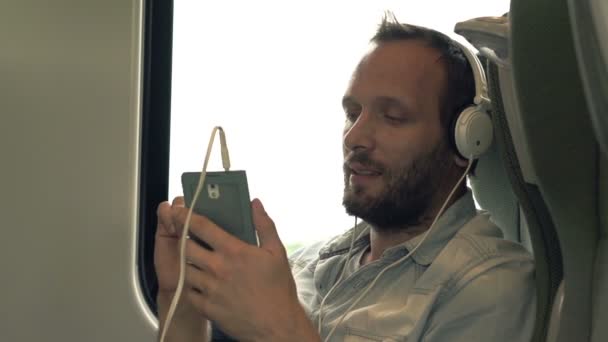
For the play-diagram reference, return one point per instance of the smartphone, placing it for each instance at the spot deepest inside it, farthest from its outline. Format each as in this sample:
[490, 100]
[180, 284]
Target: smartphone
[224, 199]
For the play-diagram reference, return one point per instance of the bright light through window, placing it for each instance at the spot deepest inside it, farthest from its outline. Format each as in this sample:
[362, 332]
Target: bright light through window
[273, 73]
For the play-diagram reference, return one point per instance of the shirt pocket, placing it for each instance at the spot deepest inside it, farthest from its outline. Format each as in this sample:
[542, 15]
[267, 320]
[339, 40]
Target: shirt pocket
[392, 320]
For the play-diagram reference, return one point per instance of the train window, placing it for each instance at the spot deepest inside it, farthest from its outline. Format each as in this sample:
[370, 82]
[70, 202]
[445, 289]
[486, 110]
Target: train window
[272, 73]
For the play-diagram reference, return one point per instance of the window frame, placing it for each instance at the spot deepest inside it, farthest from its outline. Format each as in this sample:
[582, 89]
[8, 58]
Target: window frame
[155, 136]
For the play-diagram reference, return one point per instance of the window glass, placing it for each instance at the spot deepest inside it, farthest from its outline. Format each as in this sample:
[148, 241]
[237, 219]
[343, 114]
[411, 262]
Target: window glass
[273, 73]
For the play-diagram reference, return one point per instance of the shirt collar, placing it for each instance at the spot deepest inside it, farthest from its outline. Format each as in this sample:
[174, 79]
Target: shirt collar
[445, 228]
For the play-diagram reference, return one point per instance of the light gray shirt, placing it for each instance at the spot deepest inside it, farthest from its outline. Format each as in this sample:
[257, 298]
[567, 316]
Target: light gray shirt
[464, 283]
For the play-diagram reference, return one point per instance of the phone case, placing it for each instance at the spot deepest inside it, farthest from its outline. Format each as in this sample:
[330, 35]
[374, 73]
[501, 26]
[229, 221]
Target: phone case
[224, 199]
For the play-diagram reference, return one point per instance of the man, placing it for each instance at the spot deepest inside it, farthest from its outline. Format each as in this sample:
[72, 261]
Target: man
[462, 283]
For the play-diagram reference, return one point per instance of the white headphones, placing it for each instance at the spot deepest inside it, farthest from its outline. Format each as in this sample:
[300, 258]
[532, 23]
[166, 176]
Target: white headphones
[473, 132]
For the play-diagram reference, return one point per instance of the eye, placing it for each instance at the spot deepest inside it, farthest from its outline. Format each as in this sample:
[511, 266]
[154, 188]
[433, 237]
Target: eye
[394, 119]
[351, 115]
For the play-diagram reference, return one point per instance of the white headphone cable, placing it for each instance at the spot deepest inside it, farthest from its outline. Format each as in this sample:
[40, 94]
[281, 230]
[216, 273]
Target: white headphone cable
[352, 243]
[403, 258]
[184, 237]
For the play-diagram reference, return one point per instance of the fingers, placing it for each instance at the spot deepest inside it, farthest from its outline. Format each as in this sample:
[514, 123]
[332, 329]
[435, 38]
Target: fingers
[267, 232]
[165, 220]
[166, 226]
[202, 258]
[178, 201]
[206, 230]
[199, 288]
[200, 281]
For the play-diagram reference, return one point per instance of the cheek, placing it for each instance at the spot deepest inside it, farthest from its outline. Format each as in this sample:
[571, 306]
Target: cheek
[396, 171]
[399, 163]
[409, 143]
[398, 156]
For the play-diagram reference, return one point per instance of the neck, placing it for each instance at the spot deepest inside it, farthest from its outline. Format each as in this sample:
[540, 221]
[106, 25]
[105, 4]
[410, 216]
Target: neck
[382, 239]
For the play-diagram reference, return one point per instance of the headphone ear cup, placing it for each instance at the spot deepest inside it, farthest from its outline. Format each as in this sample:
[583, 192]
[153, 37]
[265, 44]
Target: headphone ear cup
[473, 132]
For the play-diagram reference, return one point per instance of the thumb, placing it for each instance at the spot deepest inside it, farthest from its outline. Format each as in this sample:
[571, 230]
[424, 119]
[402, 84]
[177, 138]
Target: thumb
[267, 232]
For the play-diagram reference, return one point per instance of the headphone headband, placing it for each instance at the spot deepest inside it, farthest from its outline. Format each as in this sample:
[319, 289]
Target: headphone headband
[479, 75]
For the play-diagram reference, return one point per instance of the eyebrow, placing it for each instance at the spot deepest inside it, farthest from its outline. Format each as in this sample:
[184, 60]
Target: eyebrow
[348, 101]
[392, 101]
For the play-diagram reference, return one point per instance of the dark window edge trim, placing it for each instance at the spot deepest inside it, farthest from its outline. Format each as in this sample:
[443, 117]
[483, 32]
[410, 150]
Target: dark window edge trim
[155, 136]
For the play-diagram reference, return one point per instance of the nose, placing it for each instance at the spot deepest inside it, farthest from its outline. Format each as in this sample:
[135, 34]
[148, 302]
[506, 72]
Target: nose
[360, 133]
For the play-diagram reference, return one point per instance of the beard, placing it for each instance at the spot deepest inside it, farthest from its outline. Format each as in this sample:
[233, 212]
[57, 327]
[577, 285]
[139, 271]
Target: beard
[407, 194]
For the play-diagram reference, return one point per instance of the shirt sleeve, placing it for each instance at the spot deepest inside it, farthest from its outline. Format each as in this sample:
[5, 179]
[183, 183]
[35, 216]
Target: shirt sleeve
[497, 305]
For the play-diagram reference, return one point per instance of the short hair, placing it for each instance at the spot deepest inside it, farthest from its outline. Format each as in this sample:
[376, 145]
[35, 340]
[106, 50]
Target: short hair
[459, 90]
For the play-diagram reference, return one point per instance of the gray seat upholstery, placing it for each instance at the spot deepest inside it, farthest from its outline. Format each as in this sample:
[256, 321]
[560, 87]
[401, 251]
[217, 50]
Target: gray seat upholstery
[549, 88]
[590, 33]
[550, 99]
[493, 192]
[562, 147]
[599, 309]
[508, 118]
[590, 38]
[505, 182]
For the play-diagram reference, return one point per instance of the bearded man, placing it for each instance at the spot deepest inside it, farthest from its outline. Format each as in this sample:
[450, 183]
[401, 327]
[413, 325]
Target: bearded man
[385, 279]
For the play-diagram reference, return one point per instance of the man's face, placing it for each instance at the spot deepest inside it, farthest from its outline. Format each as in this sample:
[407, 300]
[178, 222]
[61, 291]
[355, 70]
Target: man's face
[395, 150]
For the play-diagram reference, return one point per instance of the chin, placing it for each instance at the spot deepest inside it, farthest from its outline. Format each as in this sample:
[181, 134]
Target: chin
[357, 201]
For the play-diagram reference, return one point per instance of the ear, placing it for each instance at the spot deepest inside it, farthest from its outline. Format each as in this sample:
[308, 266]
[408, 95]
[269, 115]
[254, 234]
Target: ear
[460, 161]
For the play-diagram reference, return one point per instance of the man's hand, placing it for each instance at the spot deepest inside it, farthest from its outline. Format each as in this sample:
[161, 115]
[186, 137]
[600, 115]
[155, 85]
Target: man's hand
[247, 291]
[187, 324]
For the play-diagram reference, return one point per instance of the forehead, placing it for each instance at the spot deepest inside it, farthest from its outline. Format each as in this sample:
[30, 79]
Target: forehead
[405, 69]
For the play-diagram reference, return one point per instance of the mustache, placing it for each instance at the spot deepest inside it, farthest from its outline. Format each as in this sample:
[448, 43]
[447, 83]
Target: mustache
[363, 158]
